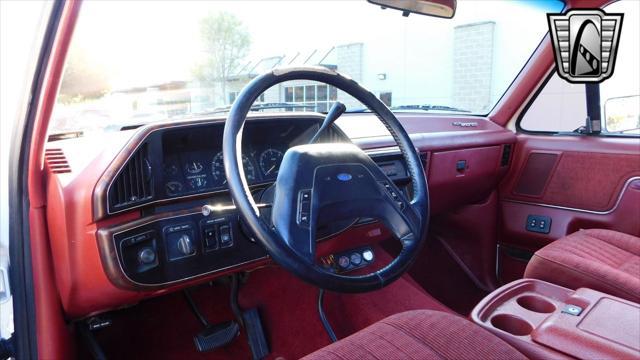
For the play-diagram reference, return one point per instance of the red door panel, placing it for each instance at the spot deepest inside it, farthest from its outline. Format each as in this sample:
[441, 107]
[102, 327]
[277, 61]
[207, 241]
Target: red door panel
[579, 182]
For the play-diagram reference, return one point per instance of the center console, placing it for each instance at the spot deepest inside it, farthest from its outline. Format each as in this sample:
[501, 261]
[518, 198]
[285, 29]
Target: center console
[546, 321]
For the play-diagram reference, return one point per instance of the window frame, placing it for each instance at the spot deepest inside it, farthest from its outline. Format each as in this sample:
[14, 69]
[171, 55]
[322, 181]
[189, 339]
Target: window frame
[588, 105]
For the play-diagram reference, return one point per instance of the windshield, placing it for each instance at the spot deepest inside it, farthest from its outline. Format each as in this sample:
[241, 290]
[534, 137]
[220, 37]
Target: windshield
[132, 63]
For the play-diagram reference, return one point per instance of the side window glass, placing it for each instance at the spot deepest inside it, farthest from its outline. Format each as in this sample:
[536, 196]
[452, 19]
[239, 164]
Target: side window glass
[559, 107]
[620, 94]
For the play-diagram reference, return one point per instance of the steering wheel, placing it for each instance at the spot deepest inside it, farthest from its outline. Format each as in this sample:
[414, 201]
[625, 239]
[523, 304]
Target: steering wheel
[327, 182]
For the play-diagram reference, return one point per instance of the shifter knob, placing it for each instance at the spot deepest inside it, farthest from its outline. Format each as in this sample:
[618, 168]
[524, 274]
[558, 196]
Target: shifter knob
[185, 245]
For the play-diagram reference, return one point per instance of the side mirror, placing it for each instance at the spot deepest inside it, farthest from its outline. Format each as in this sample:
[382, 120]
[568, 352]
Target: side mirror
[622, 114]
[438, 8]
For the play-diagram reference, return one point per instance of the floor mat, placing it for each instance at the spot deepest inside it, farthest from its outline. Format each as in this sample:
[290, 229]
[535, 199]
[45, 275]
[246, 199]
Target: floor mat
[163, 327]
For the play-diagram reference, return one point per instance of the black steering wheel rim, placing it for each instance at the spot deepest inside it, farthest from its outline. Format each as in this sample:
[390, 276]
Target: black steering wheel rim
[275, 246]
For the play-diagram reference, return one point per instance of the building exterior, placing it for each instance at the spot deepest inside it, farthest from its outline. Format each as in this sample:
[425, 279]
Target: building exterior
[466, 76]
[456, 70]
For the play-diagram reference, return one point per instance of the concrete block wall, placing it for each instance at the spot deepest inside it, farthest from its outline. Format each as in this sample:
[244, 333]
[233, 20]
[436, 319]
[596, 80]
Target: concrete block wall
[350, 62]
[472, 66]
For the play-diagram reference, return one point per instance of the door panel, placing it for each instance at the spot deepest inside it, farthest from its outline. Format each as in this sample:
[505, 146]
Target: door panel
[578, 182]
[581, 180]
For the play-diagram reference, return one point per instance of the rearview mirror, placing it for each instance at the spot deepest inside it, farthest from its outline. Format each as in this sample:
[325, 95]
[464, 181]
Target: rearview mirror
[438, 8]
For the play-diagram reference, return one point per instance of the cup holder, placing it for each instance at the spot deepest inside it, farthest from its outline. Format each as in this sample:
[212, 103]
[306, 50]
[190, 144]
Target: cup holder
[511, 324]
[536, 304]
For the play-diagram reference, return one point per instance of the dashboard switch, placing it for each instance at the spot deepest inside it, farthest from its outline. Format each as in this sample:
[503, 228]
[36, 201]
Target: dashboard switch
[210, 239]
[225, 236]
[185, 246]
[146, 256]
[139, 252]
[179, 241]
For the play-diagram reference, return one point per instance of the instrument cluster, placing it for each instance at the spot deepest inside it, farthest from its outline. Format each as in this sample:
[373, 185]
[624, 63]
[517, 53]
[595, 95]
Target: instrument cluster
[194, 172]
[193, 161]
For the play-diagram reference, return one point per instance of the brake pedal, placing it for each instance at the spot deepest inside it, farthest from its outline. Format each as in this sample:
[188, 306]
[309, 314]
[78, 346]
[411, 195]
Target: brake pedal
[216, 336]
[213, 336]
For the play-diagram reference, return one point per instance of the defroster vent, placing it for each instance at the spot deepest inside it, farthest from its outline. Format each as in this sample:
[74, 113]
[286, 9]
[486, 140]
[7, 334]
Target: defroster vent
[134, 183]
[56, 161]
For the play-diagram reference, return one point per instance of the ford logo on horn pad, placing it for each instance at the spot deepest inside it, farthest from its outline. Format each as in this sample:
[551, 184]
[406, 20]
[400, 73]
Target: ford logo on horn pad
[344, 176]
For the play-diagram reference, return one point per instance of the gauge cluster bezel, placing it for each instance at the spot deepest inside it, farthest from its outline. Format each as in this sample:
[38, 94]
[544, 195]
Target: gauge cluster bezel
[153, 136]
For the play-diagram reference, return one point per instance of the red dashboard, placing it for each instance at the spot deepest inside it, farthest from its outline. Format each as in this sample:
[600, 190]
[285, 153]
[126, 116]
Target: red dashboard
[464, 159]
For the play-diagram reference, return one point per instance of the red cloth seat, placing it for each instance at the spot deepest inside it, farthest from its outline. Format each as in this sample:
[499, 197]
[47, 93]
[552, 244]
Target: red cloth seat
[602, 260]
[420, 334]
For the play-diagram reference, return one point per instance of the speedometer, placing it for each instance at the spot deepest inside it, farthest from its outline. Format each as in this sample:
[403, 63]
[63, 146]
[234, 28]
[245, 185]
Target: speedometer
[217, 169]
[270, 160]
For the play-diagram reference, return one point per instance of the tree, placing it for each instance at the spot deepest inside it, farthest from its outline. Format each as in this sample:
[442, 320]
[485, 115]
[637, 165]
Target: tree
[226, 43]
[84, 77]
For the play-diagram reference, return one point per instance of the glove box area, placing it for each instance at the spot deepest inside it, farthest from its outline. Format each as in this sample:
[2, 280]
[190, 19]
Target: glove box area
[465, 176]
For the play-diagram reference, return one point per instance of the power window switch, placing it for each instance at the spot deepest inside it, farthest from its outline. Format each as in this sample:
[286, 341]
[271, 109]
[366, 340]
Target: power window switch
[539, 224]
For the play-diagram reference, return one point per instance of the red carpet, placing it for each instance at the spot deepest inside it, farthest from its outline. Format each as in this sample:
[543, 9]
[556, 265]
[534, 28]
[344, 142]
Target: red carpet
[163, 328]
[438, 273]
[289, 309]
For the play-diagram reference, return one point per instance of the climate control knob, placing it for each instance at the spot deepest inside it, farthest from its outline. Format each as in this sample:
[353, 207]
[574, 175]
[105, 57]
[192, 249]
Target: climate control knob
[146, 256]
[185, 245]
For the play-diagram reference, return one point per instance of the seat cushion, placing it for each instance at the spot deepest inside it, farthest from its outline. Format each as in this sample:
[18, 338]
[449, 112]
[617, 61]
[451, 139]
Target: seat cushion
[420, 334]
[602, 260]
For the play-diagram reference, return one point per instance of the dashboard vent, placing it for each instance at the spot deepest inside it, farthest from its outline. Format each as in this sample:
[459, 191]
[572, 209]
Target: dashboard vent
[56, 161]
[134, 184]
[506, 155]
